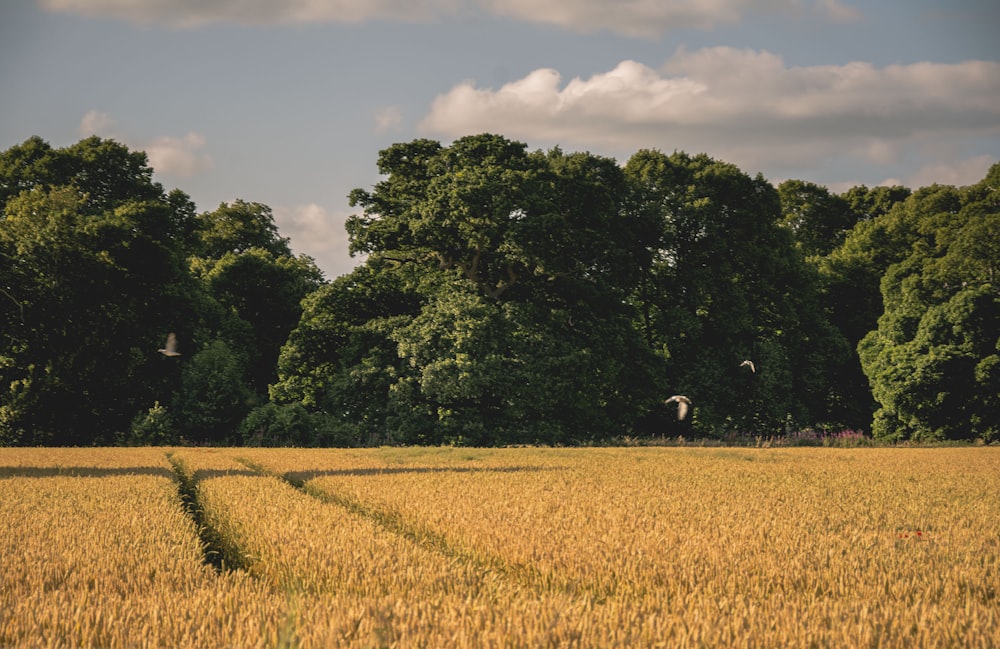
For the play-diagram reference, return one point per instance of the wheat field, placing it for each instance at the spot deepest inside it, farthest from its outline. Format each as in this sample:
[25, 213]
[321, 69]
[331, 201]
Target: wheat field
[539, 547]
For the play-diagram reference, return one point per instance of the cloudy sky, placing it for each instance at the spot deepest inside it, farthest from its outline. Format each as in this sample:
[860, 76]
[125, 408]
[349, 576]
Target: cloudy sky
[288, 102]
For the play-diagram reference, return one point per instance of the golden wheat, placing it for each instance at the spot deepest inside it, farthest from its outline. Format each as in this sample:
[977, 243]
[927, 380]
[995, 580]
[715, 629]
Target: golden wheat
[96, 551]
[726, 547]
[510, 547]
[349, 581]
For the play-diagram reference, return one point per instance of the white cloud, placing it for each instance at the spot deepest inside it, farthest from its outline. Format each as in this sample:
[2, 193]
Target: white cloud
[96, 123]
[179, 156]
[743, 106]
[389, 119]
[176, 156]
[637, 18]
[318, 233]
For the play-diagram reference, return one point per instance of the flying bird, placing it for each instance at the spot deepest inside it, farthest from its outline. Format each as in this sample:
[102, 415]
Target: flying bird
[750, 365]
[171, 348]
[683, 403]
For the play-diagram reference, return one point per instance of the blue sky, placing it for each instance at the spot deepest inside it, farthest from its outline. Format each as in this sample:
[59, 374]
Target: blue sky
[288, 103]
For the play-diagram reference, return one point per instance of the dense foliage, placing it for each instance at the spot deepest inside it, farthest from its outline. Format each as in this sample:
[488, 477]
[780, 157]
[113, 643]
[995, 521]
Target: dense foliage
[507, 296]
[97, 265]
[934, 358]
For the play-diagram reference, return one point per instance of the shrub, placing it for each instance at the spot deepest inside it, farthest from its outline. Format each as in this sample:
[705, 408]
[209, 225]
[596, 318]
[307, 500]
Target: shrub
[291, 425]
[155, 427]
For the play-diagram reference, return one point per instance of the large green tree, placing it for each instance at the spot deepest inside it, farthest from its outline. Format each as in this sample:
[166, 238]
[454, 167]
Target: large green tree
[266, 292]
[728, 285]
[488, 209]
[850, 276]
[852, 272]
[97, 265]
[251, 292]
[511, 270]
[238, 227]
[93, 277]
[103, 172]
[934, 359]
[340, 360]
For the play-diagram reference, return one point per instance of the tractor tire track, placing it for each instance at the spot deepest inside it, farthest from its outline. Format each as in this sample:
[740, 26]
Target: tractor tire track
[217, 550]
[519, 575]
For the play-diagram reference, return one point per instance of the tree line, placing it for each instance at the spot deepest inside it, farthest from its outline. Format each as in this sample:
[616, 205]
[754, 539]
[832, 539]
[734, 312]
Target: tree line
[507, 296]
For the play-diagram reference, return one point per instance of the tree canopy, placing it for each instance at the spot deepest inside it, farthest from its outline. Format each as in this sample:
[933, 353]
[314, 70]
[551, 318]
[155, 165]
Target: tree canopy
[934, 358]
[512, 271]
[97, 265]
[507, 296]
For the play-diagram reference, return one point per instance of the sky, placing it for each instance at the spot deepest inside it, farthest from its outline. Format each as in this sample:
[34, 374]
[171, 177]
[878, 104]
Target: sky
[288, 102]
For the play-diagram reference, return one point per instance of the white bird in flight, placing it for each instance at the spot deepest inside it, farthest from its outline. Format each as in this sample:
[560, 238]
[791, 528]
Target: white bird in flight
[171, 348]
[682, 405]
[749, 364]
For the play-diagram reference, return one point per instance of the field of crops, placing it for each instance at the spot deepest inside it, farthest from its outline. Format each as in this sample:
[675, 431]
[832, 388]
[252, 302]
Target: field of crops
[637, 547]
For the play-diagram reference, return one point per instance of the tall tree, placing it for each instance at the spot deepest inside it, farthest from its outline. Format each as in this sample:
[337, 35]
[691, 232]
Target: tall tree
[238, 227]
[454, 206]
[868, 204]
[340, 360]
[89, 299]
[266, 292]
[519, 264]
[851, 275]
[94, 272]
[104, 172]
[31, 164]
[934, 359]
[727, 285]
